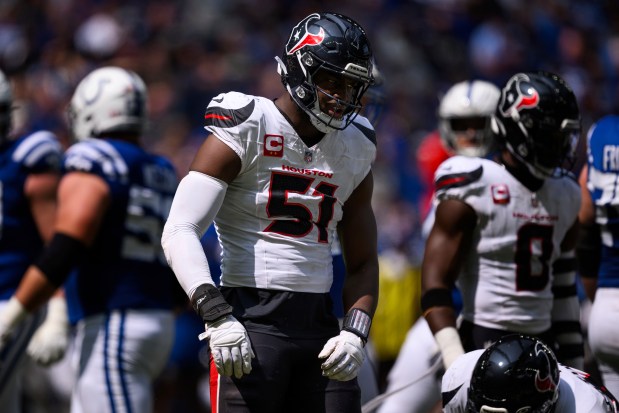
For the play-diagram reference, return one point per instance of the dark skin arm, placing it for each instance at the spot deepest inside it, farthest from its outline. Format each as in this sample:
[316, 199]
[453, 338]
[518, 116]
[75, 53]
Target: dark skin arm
[216, 159]
[586, 217]
[358, 236]
[446, 247]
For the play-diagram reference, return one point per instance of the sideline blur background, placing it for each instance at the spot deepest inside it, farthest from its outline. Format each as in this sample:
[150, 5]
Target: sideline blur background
[188, 51]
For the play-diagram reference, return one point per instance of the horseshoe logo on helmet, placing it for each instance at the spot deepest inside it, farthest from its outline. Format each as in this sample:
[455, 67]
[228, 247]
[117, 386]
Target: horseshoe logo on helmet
[518, 94]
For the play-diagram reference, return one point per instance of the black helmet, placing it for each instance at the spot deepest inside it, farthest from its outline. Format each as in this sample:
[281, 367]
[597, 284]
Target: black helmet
[538, 121]
[517, 373]
[331, 42]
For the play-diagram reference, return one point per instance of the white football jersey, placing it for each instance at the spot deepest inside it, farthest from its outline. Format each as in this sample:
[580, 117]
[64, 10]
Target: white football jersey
[576, 392]
[279, 215]
[507, 276]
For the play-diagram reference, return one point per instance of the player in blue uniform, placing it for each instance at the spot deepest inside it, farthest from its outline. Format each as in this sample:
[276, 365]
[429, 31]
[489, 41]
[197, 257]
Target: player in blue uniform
[29, 174]
[598, 255]
[113, 199]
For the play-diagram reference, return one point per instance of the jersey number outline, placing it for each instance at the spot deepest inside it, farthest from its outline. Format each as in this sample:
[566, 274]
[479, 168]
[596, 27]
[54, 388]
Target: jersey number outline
[533, 252]
[146, 213]
[279, 206]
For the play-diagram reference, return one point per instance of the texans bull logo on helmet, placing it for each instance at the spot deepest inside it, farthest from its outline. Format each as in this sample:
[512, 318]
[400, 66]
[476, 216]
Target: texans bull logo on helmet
[547, 383]
[301, 36]
[518, 94]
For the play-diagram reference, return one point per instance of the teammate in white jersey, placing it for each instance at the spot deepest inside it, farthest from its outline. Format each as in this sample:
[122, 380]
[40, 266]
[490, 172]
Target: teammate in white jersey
[599, 242]
[502, 224]
[279, 178]
[520, 374]
[464, 115]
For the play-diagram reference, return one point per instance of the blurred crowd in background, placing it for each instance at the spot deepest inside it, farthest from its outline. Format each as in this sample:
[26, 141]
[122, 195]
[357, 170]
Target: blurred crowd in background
[188, 51]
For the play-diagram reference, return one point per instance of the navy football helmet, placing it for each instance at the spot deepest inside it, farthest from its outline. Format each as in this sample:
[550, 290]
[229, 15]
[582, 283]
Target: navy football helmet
[538, 121]
[326, 42]
[516, 374]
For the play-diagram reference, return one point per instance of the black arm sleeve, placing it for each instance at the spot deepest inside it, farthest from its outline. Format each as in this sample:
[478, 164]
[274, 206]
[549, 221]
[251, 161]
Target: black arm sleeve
[589, 250]
[59, 257]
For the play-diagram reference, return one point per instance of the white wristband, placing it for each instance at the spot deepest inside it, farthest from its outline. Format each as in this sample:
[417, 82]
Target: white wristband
[448, 341]
[12, 313]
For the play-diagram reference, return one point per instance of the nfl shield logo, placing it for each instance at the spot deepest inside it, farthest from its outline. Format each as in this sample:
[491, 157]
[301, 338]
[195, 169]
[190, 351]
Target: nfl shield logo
[500, 194]
[308, 156]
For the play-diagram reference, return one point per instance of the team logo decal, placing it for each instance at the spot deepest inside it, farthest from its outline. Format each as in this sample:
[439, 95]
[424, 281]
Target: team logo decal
[546, 383]
[301, 36]
[518, 94]
[273, 145]
[500, 194]
[308, 157]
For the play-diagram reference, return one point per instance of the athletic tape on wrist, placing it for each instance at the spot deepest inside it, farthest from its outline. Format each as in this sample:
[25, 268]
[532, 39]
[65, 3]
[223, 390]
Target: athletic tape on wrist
[358, 321]
[208, 302]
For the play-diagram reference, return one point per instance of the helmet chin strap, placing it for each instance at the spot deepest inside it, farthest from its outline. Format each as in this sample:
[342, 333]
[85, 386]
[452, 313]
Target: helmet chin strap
[322, 121]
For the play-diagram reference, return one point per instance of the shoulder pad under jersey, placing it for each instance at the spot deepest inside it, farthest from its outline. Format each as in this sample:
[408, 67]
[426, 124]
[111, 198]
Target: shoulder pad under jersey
[98, 157]
[229, 109]
[366, 128]
[457, 171]
[39, 152]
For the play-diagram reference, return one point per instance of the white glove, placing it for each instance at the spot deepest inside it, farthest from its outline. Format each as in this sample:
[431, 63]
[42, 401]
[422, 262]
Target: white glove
[345, 356]
[11, 315]
[230, 346]
[448, 341]
[49, 343]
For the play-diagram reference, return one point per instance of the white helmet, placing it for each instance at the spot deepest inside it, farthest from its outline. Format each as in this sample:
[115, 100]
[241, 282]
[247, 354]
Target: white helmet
[108, 100]
[464, 117]
[6, 101]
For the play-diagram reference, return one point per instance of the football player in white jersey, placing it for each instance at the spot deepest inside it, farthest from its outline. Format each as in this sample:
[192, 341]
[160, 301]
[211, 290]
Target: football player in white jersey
[279, 178]
[464, 115]
[520, 374]
[599, 243]
[502, 224]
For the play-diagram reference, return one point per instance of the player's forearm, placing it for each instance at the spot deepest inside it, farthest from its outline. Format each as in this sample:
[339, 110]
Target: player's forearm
[361, 289]
[197, 201]
[566, 312]
[35, 289]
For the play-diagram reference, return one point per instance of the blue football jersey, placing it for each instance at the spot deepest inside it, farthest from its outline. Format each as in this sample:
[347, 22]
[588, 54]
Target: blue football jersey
[603, 185]
[125, 267]
[20, 242]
